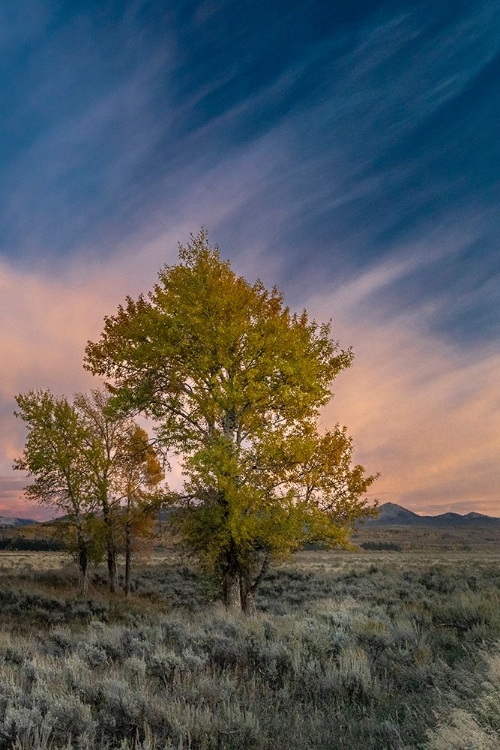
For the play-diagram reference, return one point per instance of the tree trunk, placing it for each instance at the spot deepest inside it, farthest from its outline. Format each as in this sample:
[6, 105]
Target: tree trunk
[83, 564]
[249, 586]
[231, 579]
[112, 576]
[247, 592]
[110, 546]
[128, 557]
[232, 591]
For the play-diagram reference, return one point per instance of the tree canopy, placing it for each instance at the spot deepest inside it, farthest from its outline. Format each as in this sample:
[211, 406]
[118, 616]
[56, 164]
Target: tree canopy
[53, 457]
[235, 381]
[94, 464]
[137, 476]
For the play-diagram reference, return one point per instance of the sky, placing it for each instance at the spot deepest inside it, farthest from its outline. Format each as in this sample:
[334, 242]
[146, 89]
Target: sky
[346, 152]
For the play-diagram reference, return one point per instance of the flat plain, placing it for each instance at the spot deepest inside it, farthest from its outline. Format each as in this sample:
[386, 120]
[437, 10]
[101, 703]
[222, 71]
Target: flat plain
[394, 648]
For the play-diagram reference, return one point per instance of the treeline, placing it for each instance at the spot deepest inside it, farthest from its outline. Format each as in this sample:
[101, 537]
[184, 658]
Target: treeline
[388, 546]
[21, 544]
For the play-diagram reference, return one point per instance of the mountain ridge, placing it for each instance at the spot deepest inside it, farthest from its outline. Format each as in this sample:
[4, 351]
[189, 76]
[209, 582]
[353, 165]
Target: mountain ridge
[392, 514]
[389, 514]
[12, 522]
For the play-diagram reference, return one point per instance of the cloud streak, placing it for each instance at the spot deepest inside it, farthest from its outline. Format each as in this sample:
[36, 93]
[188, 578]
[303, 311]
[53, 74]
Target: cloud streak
[421, 411]
[346, 153]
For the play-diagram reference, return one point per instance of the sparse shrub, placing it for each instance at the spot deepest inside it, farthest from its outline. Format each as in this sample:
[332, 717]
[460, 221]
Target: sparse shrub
[355, 673]
[92, 654]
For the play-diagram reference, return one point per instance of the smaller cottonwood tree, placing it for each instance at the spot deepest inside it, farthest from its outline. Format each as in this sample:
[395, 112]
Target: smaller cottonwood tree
[105, 430]
[87, 460]
[138, 474]
[53, 458]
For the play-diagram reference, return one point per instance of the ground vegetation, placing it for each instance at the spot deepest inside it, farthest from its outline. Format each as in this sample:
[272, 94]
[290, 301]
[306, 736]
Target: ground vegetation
[377, 650]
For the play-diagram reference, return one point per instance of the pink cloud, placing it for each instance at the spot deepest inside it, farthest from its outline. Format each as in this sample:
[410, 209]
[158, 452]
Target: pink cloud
[45, 324]
[419, 411]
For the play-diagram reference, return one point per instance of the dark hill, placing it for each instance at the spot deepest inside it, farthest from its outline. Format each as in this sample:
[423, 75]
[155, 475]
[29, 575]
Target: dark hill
[391, 514]
[10, 522]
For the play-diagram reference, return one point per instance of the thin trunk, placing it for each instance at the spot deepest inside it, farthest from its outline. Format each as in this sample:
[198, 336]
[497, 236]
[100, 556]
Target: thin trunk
[83, 564]
[112, 574]
[247, 595]
[249, 587]
[110, 546]
[128, 557]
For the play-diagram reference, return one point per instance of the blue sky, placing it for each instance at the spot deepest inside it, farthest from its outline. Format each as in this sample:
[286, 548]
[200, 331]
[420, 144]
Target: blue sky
[347, 152]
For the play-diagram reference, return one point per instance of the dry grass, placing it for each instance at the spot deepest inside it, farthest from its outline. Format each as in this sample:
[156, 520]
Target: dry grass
[15, 561]
[453, 539]
[331, 561]
[350, 651]
[478, 726]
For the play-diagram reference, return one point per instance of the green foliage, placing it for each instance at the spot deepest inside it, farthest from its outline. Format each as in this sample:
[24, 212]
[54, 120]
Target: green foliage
[88, 460]
[236, 381]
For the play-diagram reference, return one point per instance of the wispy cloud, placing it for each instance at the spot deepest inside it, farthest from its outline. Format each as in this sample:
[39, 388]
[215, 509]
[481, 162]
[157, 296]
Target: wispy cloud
[422, 411]
[116, 146]
[348, 156]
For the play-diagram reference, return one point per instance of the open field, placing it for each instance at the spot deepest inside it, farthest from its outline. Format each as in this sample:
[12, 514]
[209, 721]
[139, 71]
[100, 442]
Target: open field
[363, 650]
[16, 561]
[434, 541]
[315, 561]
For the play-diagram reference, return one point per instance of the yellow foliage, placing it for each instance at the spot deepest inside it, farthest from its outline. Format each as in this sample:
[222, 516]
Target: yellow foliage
[235, 381]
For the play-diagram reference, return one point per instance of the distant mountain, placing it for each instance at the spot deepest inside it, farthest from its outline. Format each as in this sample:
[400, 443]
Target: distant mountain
[391, 514]
[9, 521]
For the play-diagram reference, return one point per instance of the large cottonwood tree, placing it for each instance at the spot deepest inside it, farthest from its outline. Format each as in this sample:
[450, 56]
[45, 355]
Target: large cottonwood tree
[235, 381]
